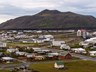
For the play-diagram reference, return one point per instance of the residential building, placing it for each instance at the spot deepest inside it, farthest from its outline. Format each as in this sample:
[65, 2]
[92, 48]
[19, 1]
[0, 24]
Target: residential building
[59, 65]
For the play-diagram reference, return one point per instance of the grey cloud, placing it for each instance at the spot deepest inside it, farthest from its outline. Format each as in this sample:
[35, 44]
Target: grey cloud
[16, 11]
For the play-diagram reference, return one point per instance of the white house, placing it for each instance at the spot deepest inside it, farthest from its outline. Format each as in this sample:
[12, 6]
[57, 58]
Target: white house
[57, 43]
[92, 53]
[79, 50]
[39, 57]
[79, 33]
[46, 50]
[84, 44]
[20, 53]
[7, 59]
[65, 46]
[30, 55]
[3, 44]
[37, 49]
[39, 31]
[59, 65]
[46, 36]
[39, 40]
[88, 42]
[12, 50]
[82, 33]
[21, 36]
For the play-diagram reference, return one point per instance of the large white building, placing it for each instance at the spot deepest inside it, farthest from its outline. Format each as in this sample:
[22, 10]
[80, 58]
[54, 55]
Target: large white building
[57, 43]
[88, 42]
[79, 33]
[82, 33]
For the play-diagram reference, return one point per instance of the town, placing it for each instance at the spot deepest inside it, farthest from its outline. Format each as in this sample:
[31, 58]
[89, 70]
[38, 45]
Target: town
[20, 50]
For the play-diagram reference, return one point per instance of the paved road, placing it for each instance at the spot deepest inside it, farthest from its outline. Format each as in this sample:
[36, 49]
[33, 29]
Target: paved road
[83, 57]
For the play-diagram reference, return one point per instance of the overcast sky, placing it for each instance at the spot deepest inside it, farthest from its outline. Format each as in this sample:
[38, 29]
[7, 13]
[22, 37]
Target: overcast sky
[10, 9]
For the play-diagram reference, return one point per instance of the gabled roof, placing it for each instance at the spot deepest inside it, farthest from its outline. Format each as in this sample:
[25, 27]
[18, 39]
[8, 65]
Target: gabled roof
[63, 53]
[7, 58]
[59, 63]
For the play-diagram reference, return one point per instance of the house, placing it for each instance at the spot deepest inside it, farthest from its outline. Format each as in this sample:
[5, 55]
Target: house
[57, 43]
[39, 57]
[46, 50]
[52, 56]
[41, 53]
[37, 49]
[79, 33]
[47, 37]
[20, 35]
[30, 55]
[59, 65]
[65, 46]
[11, 50]
[39, 40]
[7, 59]
[21, 53]
[85, 44]
[79, 50]
[39, 31]
[88, 42]
[64, 55]
[3, 44]
[92, 53]
[82, 33]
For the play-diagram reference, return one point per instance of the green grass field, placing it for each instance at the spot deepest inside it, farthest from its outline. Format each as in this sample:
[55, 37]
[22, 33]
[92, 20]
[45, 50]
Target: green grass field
[14, 44]
[4, 70]
[77, 66]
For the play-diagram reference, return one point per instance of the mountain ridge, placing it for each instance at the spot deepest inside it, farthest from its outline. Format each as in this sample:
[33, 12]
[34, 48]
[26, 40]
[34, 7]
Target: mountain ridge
[51, 19]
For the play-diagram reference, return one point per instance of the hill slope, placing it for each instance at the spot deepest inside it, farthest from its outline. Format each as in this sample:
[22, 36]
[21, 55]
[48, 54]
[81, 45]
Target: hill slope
[51, 19]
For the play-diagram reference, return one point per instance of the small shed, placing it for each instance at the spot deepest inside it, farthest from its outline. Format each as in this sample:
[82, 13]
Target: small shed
[59, 65]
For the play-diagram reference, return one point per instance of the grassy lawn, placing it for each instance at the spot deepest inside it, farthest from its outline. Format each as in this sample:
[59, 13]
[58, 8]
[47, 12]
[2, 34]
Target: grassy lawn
[13, 44]
[70, 38]
[4, 70]
[76, 66]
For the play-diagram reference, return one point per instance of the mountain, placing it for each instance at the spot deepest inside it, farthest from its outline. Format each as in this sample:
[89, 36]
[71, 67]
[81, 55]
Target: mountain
[51, 19]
